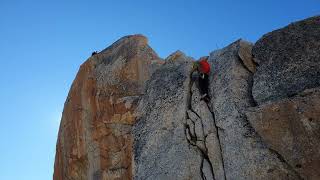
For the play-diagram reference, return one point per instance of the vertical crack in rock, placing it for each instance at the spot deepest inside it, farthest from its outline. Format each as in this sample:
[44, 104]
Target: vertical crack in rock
[217, 135]
[198, 141]
[201, 168]
[250, 85]
[254, 103]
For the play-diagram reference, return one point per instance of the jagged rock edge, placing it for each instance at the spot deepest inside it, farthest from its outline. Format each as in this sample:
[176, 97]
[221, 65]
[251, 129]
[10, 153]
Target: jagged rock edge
[279, 156]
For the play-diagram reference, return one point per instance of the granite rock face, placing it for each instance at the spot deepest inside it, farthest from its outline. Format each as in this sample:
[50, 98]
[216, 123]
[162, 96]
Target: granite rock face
[131, 115]
[175, 135]
[244, 153]
[291, 127]
[161, 150]
[288, 61]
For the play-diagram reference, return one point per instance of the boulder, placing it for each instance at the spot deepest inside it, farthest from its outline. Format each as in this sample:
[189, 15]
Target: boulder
[288, 61]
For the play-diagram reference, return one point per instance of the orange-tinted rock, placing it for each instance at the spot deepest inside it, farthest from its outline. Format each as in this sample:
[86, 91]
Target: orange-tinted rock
[291, 127]
[94, 140]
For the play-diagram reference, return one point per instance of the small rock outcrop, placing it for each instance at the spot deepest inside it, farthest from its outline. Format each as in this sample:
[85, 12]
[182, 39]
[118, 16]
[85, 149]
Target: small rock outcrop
[132, 115]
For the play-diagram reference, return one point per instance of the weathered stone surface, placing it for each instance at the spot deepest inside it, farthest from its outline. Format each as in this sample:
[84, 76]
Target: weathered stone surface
[129, 115]
[161, 149]
[205, 133]
[94, 140]
[176, 136]
[245, 155]
[245, 54]
[292, 128]
[289, 61]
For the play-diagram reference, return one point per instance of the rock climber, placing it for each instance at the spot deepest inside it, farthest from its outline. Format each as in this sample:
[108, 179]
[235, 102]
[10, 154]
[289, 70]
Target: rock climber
[203, 68]
[94, 53]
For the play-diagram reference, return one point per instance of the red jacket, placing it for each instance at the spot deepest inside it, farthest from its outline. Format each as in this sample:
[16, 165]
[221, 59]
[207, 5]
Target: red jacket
[204, 67]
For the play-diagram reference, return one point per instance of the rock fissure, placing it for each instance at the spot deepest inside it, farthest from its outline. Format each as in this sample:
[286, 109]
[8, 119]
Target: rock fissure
[218, 137]
[250, 81]
[194, 139]
[251, 133]
[201, 168]
[189, 137]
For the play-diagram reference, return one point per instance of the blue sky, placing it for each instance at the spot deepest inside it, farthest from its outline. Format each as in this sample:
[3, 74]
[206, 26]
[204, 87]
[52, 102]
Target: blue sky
[42, 44]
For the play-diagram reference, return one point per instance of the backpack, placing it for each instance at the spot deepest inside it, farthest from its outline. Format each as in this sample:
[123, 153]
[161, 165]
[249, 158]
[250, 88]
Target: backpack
[204, 67]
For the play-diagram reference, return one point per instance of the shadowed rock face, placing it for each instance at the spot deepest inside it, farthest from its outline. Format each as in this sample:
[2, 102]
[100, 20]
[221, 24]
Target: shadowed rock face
[130, 115]
[291, 127]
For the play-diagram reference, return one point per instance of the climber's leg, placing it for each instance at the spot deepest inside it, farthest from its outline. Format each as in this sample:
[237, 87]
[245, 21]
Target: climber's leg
[203, 84]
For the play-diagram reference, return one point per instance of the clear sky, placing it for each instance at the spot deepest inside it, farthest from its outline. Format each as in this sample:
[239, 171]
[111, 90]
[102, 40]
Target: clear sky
[42, 44]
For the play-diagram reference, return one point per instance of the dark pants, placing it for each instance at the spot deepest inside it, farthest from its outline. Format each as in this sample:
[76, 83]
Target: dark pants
[203, 83]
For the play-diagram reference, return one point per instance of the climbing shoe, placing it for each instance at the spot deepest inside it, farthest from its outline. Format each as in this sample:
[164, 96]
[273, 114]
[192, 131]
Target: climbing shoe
[205, 97]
